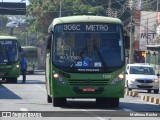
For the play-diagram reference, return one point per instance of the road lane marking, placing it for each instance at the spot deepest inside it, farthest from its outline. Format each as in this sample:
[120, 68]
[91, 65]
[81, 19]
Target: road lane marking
[100, 118]
[23, 109]
[43, 89]
[128, 110]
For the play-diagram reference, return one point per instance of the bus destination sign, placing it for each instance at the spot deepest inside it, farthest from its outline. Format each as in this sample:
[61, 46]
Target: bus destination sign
[5, 42]
[89, 28]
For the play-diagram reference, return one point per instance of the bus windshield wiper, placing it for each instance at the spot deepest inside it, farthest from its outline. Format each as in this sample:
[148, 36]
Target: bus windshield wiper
[8, 57]
[83, 51]
[100, 56]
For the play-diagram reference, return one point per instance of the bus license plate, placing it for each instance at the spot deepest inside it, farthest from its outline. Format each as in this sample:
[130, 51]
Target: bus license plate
[1, 74]
[88, 89]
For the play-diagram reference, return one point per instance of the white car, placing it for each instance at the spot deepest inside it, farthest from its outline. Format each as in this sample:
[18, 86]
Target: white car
[141, 76]
[12, 25]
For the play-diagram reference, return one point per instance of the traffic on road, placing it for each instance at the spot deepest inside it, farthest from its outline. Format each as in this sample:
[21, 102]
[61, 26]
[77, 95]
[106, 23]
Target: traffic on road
[31, 97]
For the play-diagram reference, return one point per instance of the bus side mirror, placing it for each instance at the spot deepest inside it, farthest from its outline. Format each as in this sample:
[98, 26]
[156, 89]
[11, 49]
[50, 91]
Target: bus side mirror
[127, 42]
[49, 39]
[20, 49]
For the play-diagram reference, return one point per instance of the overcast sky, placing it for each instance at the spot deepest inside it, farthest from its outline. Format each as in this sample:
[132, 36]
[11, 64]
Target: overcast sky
[15, 1]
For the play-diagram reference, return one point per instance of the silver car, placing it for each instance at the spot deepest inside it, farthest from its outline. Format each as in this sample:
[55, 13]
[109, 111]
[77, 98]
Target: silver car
[12, 25]
[141, 76]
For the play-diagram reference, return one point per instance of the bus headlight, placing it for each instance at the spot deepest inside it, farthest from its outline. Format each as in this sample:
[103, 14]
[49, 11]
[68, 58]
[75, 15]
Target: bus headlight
[55, 75]
[118, 78]
[59, 78]
[121, 76]
[17, 66]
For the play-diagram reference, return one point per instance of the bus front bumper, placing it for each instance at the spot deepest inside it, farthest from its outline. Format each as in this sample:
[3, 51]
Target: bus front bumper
[110, 91]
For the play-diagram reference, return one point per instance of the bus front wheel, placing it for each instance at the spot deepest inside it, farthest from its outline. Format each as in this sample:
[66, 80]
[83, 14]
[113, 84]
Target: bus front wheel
[59, 102]
[49, 99]
[11, 80]
[113, 102]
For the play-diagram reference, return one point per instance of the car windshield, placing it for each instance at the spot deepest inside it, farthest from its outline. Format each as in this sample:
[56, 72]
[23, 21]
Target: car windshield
[141, 70]
[8, 51]
[88, 49]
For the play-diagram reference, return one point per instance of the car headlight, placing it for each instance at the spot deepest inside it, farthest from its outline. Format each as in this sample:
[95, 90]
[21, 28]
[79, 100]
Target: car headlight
[59, 78]
[132, 79]
[118, 78]
[156, 80]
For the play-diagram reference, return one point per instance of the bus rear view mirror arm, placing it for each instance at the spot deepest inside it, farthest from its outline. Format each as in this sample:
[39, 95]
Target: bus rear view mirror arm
[127, 42]
[49, 39]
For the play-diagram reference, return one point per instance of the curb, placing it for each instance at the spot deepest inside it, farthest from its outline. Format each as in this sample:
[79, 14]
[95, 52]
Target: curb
[131, 93]
[147, 98]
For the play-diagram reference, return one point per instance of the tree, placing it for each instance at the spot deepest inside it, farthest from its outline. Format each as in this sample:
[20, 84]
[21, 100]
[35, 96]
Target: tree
[44, 11]
[146, 5]
[3, 22]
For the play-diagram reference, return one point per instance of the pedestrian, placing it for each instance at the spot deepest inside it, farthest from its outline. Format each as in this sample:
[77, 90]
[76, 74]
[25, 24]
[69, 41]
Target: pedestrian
[23, 67]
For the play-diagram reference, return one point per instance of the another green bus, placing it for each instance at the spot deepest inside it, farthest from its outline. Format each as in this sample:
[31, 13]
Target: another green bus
[9, 59]
[86, 59]
[31, 53]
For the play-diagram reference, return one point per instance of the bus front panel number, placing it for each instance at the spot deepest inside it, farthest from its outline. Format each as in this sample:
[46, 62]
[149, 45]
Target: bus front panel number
[63, 57]
[106, 76]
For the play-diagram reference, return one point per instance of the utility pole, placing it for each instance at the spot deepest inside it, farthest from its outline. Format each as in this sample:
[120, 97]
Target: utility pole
[109, 9]
[157, 5]
[147, 31]
[60, 9]
[131, 33]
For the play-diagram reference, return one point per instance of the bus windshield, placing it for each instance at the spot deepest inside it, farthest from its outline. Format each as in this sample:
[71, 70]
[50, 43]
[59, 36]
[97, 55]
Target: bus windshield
[88, 46]
[8, 51]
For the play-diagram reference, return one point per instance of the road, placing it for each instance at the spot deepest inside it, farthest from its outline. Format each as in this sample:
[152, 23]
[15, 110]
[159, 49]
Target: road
[31, 96]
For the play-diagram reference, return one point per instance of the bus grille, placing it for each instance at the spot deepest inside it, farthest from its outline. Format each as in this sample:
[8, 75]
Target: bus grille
[88, 82]
[5, 70]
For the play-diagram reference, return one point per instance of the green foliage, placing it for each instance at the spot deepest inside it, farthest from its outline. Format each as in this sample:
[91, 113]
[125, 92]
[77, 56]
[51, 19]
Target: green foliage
[3, 21]
[44, 11]
[146, 6]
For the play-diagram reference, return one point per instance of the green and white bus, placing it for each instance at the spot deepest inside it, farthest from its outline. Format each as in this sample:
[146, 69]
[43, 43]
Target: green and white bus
[9, 59]
[31, 53]
[86, 59]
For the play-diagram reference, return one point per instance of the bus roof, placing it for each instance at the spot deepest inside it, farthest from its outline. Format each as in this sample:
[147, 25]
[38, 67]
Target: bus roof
[86, 18]
[29, 47]
[153, 46]
[7, 37]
